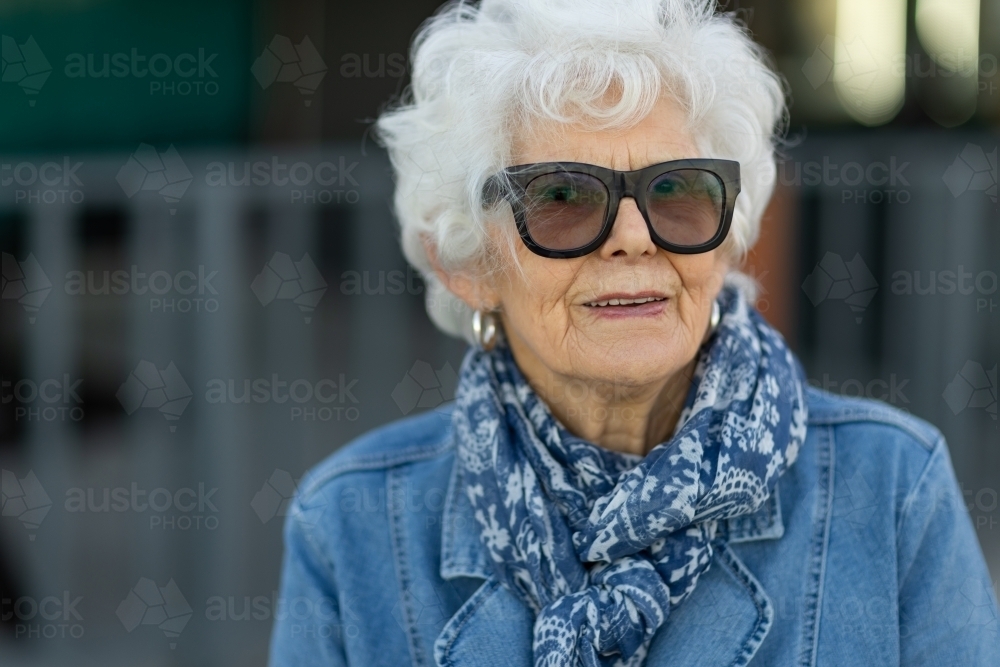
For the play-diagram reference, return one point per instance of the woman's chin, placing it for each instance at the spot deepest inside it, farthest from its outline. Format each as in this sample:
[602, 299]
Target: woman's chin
[636, 359]
[622, 333]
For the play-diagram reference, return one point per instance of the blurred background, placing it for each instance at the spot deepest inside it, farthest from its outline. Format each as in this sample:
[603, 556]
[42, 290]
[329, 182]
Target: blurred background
[203, 296]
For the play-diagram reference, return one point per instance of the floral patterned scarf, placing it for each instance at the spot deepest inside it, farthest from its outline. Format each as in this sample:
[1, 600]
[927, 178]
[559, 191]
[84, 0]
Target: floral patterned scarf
[602, 545]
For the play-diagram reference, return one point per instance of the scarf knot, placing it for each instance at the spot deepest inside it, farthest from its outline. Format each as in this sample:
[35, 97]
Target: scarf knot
[602, 545]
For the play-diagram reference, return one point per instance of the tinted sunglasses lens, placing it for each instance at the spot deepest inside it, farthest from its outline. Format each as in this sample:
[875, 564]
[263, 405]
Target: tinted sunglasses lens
[565, 210]
[686, 206]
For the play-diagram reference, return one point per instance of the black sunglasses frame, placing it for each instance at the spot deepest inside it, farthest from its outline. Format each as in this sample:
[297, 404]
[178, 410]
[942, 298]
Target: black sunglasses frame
[511, 184]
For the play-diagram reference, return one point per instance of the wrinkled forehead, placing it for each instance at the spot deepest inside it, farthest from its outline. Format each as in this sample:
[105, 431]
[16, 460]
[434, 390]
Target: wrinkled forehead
[664, 134]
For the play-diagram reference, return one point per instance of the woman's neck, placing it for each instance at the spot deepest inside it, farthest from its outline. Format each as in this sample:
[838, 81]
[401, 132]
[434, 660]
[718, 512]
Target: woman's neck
[623, 418]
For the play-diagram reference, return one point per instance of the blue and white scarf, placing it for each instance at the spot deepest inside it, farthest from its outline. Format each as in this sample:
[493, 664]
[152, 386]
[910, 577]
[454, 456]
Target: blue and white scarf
[600, 544]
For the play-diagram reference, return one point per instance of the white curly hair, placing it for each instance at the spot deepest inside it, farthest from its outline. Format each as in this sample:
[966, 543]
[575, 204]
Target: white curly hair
[483, 73]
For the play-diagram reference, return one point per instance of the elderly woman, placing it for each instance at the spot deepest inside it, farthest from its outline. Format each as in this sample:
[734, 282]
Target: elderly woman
[634, 471]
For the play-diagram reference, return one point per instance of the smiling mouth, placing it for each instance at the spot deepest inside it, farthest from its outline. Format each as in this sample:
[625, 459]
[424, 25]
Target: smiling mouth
[638, 301]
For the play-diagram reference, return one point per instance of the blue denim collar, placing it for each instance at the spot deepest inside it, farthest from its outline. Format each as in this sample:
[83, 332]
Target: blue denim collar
[462, 554]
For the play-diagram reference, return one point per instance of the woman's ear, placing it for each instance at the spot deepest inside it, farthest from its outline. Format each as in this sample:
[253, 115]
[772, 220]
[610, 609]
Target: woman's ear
[476, 291]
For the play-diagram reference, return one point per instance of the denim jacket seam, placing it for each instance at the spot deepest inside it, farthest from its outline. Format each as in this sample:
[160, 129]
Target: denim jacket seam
[819, 546]
[374, 462]
[402, 567]
[910, 499]
[927, 438]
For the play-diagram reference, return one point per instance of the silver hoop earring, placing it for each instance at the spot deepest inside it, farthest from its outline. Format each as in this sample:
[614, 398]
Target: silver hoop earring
[713, 322]
[484, 329]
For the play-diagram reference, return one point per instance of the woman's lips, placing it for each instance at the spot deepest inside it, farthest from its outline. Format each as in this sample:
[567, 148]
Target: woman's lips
[644, 304]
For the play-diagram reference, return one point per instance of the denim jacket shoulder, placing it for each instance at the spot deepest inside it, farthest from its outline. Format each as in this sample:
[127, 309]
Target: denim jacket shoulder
[864, 555]
[827, 409]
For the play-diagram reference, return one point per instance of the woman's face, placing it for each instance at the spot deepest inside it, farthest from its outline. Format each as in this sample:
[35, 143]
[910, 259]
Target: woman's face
[550, 310]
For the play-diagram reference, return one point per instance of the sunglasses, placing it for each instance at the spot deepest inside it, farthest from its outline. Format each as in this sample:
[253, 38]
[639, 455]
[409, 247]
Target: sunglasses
[567, 209]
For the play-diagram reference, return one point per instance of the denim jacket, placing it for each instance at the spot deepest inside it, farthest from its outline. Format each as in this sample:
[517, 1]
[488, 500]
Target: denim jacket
[864, 556]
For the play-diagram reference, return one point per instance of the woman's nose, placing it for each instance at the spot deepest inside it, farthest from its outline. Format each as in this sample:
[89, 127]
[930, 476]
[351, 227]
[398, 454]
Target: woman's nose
[629, 236]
